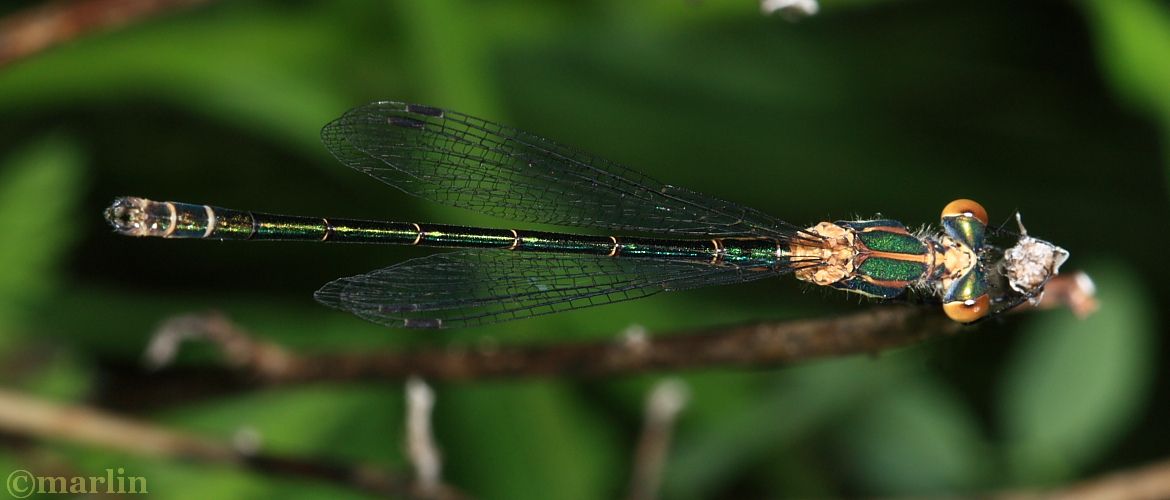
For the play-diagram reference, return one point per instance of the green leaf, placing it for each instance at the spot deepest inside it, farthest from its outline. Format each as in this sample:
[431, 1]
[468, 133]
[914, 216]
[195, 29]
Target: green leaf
[1133, 43]
[65, 376]
[1073, 386]
[326, 423]
[727, 428]
[308, 420]
[527, 440]
[265, 69]
[918, 440]
[39, 190]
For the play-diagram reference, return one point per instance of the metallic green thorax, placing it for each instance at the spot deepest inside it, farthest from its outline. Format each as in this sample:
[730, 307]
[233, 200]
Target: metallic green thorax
[887, 236]
[888, 258]
[886, 269]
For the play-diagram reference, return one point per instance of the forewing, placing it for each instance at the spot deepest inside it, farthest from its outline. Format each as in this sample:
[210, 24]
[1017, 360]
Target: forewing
[468, 162]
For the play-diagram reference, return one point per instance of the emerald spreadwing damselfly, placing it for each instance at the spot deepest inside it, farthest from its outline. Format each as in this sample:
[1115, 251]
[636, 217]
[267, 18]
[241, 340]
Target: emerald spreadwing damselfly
[665, 237]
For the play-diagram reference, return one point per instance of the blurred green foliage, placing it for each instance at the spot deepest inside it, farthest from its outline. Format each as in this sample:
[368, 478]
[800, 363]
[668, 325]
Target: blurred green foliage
[1073, 385]
[1056, 109]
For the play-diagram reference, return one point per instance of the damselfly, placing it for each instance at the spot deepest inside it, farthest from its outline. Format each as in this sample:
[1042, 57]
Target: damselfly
[671, 238]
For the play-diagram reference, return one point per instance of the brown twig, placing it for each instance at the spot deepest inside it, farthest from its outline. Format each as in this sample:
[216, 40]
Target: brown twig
[759, 344]
[27, 416]
[663, 405]
[1148, 482]
[1074, 290]
[38, 28]
[770, 344]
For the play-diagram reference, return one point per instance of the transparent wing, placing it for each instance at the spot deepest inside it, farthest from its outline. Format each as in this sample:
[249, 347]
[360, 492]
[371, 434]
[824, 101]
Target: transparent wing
[468, 162]
[476, 287]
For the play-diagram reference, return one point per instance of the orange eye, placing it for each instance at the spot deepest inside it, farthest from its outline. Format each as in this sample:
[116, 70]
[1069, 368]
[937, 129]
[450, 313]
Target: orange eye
[966, 311]
[964, 206]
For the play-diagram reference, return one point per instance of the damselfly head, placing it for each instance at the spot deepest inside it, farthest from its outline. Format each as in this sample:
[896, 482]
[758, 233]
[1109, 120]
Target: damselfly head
[965, 207]
[965, 290]
[983, 276]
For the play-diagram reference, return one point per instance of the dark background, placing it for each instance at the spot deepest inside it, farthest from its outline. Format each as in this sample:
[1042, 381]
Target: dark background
[1055, 109]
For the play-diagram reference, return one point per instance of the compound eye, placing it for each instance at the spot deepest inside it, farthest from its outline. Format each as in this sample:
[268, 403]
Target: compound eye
[963, 206]
[966, 311]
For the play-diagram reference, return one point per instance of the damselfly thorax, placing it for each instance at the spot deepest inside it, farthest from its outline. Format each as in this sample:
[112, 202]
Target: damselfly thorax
[665, 237]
